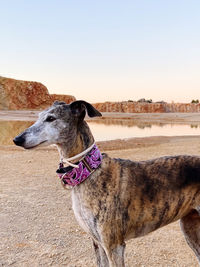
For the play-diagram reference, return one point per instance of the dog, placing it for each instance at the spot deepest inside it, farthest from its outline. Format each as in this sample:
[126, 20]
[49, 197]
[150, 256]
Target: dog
[115, 200]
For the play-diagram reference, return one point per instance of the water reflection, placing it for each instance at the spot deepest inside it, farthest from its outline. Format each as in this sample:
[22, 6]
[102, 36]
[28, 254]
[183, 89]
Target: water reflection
[108, 129]
[103, 132]
[136, 123]
[9, 129]
[194, 126]
[122, 122]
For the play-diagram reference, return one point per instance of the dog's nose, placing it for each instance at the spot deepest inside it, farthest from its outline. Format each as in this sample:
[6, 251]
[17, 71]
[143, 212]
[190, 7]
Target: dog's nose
[19, 140]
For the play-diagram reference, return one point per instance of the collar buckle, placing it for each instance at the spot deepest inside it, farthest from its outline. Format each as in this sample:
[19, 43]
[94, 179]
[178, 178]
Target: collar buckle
[87, 165]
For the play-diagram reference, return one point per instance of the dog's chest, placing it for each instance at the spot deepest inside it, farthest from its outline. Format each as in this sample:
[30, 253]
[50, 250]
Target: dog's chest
[83, 215]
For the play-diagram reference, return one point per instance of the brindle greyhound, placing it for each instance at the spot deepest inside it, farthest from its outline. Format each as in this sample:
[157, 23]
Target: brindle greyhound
[121, 199]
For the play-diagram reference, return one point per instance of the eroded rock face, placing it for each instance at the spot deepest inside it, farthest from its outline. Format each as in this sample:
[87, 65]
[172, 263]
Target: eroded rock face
[66, 98]
[137, 107]
[17, 94]
[130, 107]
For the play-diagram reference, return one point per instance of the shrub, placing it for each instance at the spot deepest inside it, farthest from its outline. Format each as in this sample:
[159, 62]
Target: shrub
[195, 101]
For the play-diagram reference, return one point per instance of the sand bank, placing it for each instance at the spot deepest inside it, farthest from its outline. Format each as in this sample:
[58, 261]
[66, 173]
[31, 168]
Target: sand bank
[30, 115]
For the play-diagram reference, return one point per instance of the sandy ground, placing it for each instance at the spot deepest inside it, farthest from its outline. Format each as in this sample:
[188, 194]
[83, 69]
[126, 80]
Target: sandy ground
[37, 225]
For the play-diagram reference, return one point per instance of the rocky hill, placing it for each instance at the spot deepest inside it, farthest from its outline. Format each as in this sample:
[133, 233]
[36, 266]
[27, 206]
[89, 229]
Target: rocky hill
[17, 94]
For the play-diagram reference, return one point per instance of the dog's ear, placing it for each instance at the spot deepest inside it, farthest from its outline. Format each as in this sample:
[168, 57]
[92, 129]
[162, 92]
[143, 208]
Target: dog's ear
[57, 103]
[79, 107]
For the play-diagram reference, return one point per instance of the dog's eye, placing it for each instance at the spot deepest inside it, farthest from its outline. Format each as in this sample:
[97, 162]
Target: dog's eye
[50, 118]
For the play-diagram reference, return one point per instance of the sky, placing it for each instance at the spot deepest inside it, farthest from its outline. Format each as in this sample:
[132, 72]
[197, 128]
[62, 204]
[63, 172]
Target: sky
[104, 50]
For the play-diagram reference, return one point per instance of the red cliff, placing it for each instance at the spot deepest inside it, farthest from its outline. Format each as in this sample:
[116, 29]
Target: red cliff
[17, 94]
[137, 107]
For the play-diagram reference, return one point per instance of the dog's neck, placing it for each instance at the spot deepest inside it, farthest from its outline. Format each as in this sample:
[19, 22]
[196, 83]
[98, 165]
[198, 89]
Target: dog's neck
[83, 140]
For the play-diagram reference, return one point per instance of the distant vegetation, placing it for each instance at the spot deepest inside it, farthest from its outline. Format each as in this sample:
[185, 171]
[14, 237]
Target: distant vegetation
[195, 101]
[143, 100]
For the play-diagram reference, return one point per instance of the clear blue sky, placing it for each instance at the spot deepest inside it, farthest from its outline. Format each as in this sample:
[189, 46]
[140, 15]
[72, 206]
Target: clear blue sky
[104, 50]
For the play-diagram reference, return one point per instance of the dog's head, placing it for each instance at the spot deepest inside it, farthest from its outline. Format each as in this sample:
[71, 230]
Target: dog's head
[56, 125]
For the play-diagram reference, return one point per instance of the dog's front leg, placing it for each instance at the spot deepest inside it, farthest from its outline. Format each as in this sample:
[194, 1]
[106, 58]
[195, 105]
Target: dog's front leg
[101, 257]
[116, 256]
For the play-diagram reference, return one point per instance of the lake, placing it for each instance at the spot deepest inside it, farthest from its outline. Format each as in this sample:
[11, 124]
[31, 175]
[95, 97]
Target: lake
[108, 130]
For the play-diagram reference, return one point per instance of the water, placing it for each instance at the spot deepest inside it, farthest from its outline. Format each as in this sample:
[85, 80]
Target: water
[9, 129]
[108, 130]
[103, 132]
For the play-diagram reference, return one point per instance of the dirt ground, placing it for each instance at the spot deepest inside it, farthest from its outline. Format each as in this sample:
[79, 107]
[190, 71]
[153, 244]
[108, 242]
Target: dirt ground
[37, 225]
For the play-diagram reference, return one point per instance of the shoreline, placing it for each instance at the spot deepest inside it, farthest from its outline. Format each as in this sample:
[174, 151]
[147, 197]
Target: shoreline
[31, 115]
[122, 144]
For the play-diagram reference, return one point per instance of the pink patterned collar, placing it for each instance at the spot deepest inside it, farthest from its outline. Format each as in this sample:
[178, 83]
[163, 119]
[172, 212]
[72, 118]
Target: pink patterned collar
[74, 176]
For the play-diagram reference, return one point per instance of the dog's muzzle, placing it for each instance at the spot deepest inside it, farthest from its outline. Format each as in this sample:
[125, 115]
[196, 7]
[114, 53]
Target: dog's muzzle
[19, 140]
